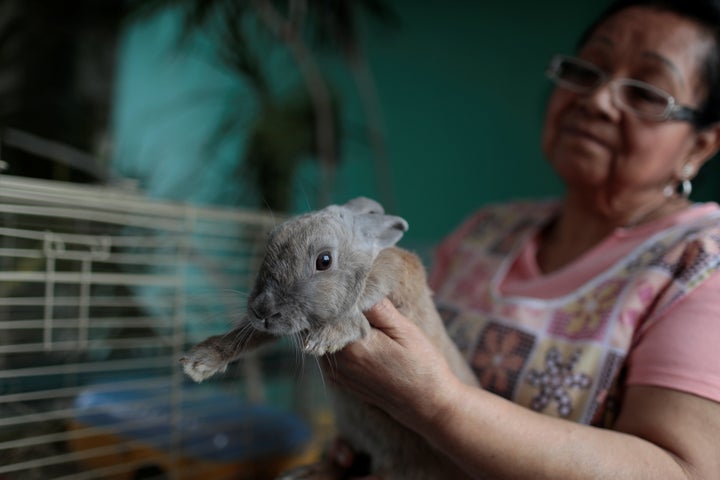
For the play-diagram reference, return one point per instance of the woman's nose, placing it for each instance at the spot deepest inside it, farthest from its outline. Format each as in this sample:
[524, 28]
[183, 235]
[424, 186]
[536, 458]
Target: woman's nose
[601, 101]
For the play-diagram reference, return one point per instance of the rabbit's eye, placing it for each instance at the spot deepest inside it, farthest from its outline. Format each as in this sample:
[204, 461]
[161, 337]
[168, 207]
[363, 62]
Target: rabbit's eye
[323, 261]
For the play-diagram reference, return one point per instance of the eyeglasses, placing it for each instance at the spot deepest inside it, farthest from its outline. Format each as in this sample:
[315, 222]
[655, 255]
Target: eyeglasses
[639, 98]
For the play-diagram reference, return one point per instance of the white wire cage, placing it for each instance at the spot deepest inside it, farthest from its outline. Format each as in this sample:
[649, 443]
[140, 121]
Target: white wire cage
[101, 291]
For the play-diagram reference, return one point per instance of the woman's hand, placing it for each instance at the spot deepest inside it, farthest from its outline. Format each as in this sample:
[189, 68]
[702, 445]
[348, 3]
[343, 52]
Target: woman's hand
[395, 367]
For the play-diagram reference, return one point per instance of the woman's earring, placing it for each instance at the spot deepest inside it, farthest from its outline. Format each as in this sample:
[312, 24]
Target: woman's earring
[685, 188]
[669, 191]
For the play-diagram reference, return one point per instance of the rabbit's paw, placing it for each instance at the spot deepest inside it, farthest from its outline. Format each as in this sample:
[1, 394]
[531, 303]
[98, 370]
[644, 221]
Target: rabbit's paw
[320, 346]
[202, 362]
[332, 339]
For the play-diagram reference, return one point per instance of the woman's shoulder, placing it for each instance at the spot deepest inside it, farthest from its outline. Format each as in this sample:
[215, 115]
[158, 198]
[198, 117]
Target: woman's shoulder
[688, 252]
[700, 224]
[702, 213]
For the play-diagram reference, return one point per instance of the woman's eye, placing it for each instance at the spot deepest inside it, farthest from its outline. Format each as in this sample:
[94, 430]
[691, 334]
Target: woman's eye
[579, 75]
[650, 97]
[323, 261]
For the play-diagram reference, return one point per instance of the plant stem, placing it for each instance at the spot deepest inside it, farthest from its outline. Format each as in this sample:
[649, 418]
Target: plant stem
[290, 34]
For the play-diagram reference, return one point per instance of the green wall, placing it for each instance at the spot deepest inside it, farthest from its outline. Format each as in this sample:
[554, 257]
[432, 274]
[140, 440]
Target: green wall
[463, 90]
[461, 87]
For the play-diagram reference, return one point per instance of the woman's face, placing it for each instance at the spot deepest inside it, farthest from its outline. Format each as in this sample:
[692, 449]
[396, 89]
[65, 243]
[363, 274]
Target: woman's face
[600, 149]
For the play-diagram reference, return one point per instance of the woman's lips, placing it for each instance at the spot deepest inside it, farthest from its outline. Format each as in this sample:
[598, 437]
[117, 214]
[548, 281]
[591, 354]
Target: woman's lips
[588, 134]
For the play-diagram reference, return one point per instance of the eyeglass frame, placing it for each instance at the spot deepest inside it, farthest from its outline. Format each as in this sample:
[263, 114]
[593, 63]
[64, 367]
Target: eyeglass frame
[673, 112]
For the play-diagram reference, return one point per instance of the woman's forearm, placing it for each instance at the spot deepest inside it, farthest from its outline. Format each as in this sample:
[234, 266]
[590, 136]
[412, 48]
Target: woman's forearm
[669, 434]
[491, 436]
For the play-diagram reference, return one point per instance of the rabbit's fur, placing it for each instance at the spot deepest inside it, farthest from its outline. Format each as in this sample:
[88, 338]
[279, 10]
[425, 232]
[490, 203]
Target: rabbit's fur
[295, 294]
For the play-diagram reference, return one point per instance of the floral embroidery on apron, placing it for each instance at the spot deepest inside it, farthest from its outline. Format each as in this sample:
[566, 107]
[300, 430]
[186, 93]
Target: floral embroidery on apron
[564, 356]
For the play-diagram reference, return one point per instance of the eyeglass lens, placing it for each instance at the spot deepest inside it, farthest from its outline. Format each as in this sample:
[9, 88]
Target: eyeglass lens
[641, 99]
[579, 75]
[636, 96]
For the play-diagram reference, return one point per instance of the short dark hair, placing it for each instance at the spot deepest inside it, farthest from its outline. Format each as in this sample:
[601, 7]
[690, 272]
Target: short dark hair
[705, 13]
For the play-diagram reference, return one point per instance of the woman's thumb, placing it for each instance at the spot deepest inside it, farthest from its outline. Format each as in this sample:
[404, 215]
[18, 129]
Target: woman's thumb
[384, 316]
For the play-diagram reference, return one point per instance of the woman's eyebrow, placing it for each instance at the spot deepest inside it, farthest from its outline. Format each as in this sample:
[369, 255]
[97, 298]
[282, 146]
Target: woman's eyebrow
[607, 41]
[665, 61]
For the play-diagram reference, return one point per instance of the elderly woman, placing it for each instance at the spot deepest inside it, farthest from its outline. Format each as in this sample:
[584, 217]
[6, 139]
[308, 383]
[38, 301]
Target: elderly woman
[592, 323]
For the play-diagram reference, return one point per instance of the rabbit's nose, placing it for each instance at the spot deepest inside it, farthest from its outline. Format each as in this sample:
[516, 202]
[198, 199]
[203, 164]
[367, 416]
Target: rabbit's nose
[263, 307]
[261, 311]
[265, 318]
[268, 320]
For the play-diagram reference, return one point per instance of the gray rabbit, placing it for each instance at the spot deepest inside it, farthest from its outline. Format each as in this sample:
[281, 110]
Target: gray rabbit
[320, 272]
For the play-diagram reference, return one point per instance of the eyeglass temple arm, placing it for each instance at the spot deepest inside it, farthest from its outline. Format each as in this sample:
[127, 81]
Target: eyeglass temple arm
[683, 113]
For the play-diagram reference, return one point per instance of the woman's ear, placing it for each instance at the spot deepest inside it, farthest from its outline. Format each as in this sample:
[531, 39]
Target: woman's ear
[707, 144]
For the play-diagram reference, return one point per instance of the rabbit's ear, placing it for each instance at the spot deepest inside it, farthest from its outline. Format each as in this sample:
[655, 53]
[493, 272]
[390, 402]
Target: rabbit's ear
[380, 231]
[362, 205]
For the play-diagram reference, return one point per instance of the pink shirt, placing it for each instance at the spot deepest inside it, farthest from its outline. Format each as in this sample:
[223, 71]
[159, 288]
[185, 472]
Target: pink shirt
[638, 308]
[680, 351]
